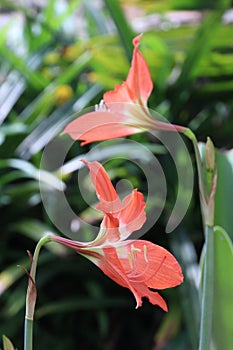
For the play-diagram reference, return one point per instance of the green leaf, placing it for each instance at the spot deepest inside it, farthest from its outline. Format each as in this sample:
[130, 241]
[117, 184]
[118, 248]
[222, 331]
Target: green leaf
[80, 304]
[184, 250]
[224, 191]
[31, 171]
[198, 50]
[199, 47]
[55, 19]
[35, 78]
[11, 274]
[35, 230]
[54, 124]
[223, 290]
[97, 17]
[44, 102]
[125, 33]
[7, 344]
[15, 83]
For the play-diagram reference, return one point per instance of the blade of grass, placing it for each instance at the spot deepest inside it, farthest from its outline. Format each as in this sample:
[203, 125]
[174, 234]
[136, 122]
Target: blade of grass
[36, 79]
[80, 304]
[198, 49]
[45, 101]
[15, 84]
[33, 172]
[50, 127]
[124, 31]
[97, 16]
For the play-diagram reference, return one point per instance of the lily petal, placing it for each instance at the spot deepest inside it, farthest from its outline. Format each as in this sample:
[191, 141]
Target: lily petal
[106, 193]
[99, 126]
[112, 266]
[153, 297]
[151, 264]
[123, 111]
[135, 264]
[138, 85]
[110, 230]
[132, 215]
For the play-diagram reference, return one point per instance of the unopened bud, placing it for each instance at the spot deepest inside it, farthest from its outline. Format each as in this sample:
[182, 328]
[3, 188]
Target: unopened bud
[210, 155]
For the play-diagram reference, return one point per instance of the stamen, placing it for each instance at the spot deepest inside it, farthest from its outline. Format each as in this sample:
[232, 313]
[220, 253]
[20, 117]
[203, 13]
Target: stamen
[135, 277]
[133, 249]
[101, 107]
[145, 253]
[130, 258]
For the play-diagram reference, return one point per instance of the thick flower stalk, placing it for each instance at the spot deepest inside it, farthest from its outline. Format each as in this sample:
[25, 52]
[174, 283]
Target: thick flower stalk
[138, 265]
[124, 110]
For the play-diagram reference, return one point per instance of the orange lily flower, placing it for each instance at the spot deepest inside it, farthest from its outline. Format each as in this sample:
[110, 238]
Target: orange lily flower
[123, 111]
[135, 264]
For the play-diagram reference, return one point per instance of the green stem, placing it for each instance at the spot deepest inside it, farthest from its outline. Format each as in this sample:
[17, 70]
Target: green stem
[31, 296]
[207, 207]
[28, 331]
[207, 295]
[201, 178]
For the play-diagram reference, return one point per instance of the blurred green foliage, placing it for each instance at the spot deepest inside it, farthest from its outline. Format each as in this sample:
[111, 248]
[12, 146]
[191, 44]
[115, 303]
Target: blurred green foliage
[56, 60]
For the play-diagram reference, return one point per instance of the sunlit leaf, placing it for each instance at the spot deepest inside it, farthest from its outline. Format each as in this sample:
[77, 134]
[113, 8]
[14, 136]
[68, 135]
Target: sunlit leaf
[80, 304]
[223, 290]
[224, 192]
[7, 344]
[35, 230]
[11, 274]
[125, 32]
[55, 123]
[31, 171]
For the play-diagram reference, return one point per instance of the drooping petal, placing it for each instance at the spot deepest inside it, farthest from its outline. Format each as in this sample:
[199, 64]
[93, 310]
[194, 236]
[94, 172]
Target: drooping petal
[169, 272]
[132, 265]
[112, 266]
[106, 193]
[149, 263]
[132, 215]
[108, 260]
[138, 85]
[153, 297]
[99, 126]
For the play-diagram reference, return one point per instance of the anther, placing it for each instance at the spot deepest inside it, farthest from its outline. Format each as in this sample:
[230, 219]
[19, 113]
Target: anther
[133, 249]
[145, 253]
[101, 107]
[130, 258]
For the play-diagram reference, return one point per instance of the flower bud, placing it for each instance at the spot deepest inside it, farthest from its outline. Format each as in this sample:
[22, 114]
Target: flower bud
[210, 155]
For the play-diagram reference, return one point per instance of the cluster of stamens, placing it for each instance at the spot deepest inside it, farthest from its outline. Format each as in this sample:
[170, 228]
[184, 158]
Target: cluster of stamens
[101, 107]
[133, 262]
[134, 274]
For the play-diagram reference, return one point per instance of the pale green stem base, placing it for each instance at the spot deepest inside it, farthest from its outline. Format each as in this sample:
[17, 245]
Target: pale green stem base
[28, 331]
[31, 297]
[207, 295]
[208, 278]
